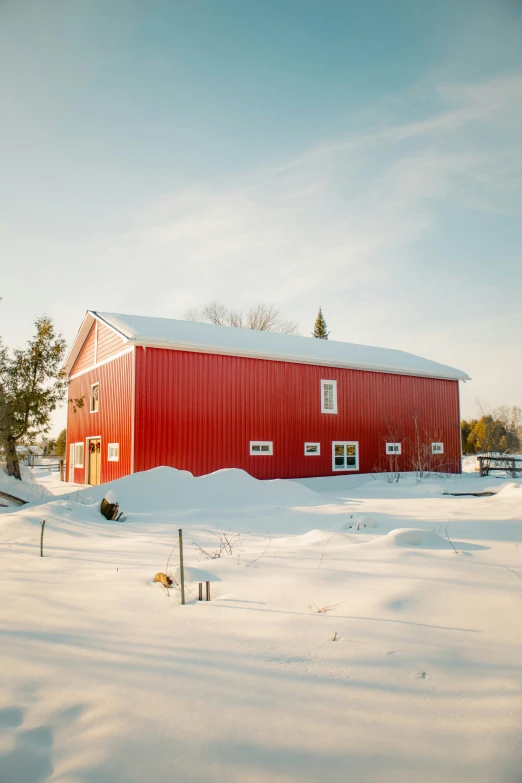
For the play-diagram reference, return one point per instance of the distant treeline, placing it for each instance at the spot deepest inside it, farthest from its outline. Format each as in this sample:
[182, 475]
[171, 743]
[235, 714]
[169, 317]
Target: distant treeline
[498, 431]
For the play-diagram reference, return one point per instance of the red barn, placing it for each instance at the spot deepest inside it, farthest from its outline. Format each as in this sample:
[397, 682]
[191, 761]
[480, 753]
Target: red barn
[198, 397]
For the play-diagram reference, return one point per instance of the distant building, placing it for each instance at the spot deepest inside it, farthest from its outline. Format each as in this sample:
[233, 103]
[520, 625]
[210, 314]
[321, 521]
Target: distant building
[200, 397]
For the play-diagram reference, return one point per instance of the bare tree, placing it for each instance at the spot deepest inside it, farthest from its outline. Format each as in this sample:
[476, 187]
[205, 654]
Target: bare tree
[391, 442]
[262, 317]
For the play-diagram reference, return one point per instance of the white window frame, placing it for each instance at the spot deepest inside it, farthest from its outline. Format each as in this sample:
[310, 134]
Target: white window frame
[113, 446]
[312, 453]
[97, 383]
[393, 449]
[334, 384]
[436, 450]
[77, 463]
[258, 452]
[345, 469]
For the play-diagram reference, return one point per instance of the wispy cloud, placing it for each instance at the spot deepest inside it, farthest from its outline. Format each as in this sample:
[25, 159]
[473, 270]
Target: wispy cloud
[342, 208]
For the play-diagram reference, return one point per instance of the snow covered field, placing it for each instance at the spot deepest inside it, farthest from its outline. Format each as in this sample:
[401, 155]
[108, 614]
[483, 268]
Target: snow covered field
[413, 674]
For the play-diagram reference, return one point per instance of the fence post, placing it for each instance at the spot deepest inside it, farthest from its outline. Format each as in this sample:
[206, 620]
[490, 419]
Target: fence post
[41, 538]
[181, 571]
[208, 591]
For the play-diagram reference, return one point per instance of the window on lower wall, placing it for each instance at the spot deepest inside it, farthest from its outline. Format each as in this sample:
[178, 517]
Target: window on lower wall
[345, 455]
[78, 455]
[113, 452]
[393, 448]
[261, 447]
[437, 448]
[312, 449]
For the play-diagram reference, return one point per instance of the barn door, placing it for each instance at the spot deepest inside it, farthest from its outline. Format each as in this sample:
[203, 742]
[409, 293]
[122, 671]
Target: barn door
[94, 460]
[71, 463]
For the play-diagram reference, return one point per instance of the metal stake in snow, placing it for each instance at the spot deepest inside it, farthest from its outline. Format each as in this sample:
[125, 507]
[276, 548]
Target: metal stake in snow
[181, 572]
[41, 538]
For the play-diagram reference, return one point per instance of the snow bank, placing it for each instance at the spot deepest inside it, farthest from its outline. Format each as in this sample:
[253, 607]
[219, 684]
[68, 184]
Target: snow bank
[170, 489]
[27, 489]
[410, 538]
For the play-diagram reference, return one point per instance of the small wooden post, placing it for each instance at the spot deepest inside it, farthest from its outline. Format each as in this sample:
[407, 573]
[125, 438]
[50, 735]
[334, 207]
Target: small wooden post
[200, 591]
[41, 538]
[181, 571]
[208, 590]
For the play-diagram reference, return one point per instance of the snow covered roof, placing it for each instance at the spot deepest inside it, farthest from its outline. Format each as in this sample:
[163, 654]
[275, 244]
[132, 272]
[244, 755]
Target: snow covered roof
[207, 338]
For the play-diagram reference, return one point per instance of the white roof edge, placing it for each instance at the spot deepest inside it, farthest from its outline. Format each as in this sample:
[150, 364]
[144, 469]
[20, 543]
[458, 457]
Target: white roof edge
[195, 337]
[107, 323]
[167, 345]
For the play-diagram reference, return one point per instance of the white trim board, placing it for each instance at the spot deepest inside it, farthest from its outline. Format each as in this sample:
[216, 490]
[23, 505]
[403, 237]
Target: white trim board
[90, 318]
[101, 364]
[133, 406]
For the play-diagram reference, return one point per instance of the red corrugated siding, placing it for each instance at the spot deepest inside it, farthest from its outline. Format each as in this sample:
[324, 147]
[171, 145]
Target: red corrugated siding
[109, 343]
[199, 412]
[113, 421]
[86, 356]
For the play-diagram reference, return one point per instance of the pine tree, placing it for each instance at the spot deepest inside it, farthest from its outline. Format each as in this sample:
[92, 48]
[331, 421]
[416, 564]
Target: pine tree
[320, 328]
[60, 443]
[31, 387]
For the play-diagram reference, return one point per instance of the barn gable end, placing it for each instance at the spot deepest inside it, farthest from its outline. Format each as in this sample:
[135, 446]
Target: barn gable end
[109, 343]
[85, 358]
[101, 343]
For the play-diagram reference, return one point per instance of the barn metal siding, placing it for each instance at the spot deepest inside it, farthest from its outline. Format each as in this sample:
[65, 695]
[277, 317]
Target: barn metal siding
[113, 421]
[109, 343]
[199, 412]
[85, 357]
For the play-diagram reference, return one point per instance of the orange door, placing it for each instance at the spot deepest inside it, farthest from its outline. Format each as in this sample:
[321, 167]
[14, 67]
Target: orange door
[94, 460]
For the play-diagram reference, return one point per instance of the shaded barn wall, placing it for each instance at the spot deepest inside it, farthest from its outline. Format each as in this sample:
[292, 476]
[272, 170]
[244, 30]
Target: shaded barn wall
[101, 343]
[85, 357]
[109, 343]
[199, 412]
[113, 421]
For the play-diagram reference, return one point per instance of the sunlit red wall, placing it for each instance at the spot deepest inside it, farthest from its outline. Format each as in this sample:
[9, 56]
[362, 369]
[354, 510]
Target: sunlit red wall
[199, 412]
[112, 422]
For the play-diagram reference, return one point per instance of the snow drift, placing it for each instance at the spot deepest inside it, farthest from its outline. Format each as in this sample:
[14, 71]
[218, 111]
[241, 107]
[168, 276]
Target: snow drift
[170, 489]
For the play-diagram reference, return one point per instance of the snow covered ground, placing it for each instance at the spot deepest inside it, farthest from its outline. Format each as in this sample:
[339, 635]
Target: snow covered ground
[412, 672]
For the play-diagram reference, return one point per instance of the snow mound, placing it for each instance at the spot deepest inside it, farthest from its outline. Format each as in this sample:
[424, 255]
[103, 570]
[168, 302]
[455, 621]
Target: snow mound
[413, 538]
[27, 489]
[165, 488]
[192, 574]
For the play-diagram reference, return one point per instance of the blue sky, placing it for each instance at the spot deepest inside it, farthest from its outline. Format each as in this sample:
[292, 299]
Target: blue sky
[364, 157]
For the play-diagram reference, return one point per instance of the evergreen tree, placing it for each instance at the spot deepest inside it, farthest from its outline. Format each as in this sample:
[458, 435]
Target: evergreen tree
[61, 440]
[320, 328]
[31, 387]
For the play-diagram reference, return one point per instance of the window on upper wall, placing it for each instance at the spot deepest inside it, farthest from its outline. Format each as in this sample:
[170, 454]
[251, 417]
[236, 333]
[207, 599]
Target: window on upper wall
[95, 397]
[261, 447]
[78, 455]
[345, 455]
[113, 452]
[312, 449]
[328, 396]
[393, 448]
[437, 448]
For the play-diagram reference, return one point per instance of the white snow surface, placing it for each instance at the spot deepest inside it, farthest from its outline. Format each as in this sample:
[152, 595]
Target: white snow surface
[208, 338]
[345, 640]
[27, 489]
